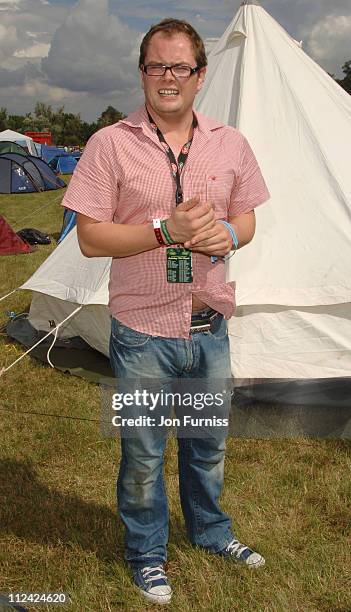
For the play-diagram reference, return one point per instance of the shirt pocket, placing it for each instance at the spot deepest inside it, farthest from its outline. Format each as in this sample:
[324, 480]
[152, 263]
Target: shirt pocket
[219, 187]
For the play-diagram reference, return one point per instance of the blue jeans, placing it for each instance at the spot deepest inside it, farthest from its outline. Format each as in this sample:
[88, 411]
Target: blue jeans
[141, 494]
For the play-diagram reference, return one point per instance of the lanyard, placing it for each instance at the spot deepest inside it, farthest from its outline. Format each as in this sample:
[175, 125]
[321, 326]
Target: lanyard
[176, 167]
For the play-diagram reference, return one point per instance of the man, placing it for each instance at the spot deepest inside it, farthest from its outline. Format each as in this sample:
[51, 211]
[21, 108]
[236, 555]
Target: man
[166, 176]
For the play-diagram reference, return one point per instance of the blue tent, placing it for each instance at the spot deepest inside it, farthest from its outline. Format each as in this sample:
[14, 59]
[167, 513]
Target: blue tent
[76, 154]
[48, 152]
[69, 221]
[63, 164]
[26, 174]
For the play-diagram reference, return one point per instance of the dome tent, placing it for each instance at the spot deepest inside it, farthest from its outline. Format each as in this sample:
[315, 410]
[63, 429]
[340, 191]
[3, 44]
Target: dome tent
[10, 242]
[25, 141]
[48, 152]
[63, 163]
[26, 174]
[7, 146]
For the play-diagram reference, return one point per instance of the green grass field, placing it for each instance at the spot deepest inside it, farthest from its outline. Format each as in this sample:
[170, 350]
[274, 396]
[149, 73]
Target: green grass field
[59, 528]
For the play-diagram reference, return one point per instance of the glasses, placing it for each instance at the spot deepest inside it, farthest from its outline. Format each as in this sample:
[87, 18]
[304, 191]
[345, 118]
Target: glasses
[178, 71]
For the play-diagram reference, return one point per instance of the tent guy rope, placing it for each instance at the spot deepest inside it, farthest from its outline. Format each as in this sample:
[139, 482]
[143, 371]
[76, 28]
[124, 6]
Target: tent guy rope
[52, 331]
[8, 294]
[40, 208]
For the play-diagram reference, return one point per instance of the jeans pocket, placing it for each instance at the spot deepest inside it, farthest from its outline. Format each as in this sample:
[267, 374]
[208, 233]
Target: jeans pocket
[128, 337]
[219, 329]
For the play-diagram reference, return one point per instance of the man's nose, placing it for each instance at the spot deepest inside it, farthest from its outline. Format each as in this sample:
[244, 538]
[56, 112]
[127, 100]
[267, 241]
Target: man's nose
[168, 74]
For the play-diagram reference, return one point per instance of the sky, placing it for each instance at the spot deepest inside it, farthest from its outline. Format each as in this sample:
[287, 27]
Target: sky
[83, 54]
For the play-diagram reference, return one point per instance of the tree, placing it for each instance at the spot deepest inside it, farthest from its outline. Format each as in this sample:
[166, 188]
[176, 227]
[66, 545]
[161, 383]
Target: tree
[43, 110]
[66, 128]
[3, 118]
[15, 122]
[88, 129]
[346, 81]
[30, 123]
[109, 116]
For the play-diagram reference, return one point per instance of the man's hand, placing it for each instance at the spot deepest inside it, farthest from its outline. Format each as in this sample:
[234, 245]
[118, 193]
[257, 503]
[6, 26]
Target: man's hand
[190, 219]
[218, 241]
[214, 241]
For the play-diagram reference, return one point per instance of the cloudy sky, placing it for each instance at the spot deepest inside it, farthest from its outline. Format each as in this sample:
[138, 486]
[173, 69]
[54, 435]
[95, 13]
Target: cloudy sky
[83, 54]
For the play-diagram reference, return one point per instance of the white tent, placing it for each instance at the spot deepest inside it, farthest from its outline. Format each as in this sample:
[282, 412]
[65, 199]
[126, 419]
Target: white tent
[21, 139]
[67, 279]
[294, 280]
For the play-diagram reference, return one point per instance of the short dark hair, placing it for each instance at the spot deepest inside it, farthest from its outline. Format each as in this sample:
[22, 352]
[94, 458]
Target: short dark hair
[169, 27]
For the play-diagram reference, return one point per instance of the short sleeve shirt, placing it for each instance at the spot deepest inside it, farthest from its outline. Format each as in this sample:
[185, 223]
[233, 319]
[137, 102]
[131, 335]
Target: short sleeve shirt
[124, 176]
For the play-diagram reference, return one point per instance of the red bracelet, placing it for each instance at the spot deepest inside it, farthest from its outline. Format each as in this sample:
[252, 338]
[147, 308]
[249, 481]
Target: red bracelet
[157, 229]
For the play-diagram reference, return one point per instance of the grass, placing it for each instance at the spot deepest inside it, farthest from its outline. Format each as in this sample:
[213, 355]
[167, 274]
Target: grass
[59, 529]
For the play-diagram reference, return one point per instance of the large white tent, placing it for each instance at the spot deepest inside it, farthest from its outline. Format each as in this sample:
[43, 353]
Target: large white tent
[21, 139]
[294, 280]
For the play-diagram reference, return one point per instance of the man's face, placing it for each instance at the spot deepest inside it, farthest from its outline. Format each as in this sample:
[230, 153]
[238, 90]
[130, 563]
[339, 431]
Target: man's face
[166, 95]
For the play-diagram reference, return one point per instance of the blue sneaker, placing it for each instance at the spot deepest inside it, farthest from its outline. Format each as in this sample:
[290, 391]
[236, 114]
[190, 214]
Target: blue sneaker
[153, 583]
[243, 554]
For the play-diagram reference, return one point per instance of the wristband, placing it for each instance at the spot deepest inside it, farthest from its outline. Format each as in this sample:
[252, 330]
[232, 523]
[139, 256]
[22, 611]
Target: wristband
[233, 237]
[157, 229]
[166, 233]
[232, 233]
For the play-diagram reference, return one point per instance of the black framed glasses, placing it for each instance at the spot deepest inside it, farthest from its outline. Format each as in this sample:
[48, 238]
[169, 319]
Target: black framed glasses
[178, 70]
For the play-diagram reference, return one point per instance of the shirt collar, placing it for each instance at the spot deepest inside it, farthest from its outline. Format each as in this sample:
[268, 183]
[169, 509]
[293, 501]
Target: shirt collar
[139, 119]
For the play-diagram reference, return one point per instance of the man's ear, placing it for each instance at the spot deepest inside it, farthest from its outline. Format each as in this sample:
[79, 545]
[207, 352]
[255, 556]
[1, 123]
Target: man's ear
[142, 76]
[201, 78]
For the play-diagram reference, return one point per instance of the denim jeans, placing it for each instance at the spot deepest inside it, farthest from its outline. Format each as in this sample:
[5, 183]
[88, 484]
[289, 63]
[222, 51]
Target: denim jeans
[141, 494]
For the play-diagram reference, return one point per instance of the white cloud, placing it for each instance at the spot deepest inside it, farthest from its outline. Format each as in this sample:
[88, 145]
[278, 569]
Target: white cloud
[37, 50]
[329, 41]
[9, 5]
[93, 51]
[33, 24]
[9, 41]
[39, 90]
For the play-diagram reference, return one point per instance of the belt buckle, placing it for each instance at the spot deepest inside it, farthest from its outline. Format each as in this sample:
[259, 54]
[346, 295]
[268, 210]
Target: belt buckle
[200, 328]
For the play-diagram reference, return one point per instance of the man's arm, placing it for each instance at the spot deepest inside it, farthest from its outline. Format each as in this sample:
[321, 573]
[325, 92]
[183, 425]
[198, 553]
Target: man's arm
[217, 240]
[107, 239]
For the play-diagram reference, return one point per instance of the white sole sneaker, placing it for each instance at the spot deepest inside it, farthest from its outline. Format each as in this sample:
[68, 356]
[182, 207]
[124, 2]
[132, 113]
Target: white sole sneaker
[153, 584]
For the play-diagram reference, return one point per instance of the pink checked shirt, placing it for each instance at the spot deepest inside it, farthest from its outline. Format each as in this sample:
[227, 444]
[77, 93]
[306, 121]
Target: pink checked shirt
[124, 176]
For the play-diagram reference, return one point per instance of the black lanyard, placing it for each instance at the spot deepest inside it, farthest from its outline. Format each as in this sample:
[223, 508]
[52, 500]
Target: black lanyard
[176, 167]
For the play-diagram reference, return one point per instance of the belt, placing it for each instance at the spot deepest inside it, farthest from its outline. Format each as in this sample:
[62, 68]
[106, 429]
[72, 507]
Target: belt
[202, 321]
